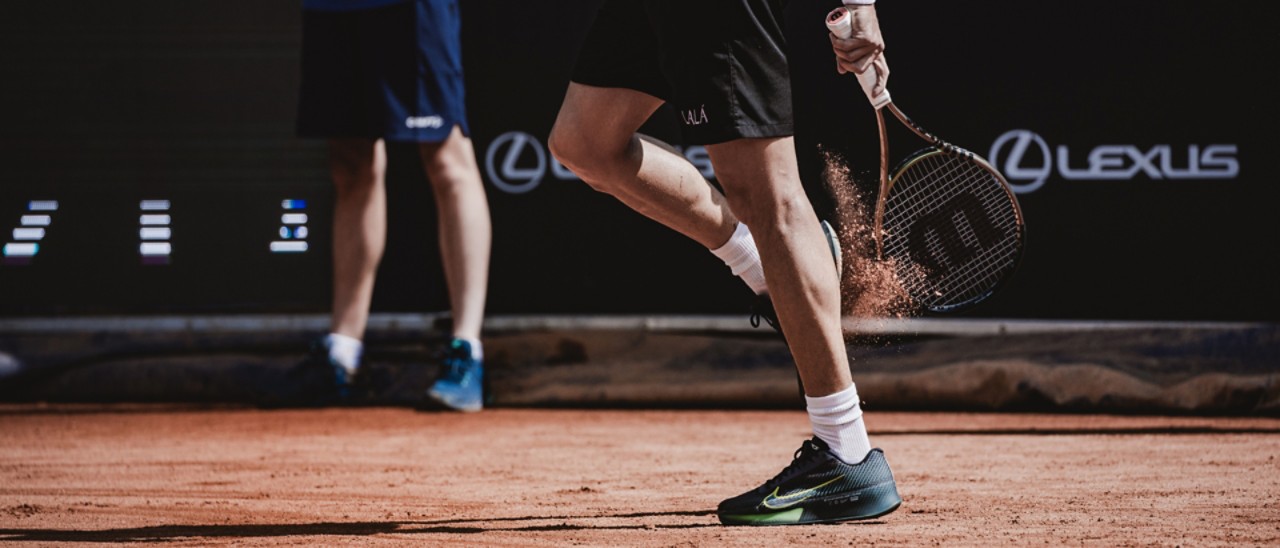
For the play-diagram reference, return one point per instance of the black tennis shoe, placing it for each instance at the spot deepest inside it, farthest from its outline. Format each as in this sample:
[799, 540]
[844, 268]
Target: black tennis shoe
[817, 487]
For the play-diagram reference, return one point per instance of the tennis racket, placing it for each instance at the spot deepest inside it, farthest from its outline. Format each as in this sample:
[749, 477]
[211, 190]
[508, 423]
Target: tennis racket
[945, 219]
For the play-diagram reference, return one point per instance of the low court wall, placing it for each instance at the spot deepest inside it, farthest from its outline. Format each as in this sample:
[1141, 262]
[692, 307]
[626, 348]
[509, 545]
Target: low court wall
[666, 361]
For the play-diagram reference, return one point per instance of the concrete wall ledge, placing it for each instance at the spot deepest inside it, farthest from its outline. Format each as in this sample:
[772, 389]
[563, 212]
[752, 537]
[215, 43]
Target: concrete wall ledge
[667, 361]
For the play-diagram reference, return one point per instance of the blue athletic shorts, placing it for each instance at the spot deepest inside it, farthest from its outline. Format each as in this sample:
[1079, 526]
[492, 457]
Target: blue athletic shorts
[392, 72]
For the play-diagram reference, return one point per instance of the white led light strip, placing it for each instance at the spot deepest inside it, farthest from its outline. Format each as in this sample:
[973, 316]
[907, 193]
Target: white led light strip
[31, 230]
[154, 233]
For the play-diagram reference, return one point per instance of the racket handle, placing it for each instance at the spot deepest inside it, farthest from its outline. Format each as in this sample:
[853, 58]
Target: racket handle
[840, 23]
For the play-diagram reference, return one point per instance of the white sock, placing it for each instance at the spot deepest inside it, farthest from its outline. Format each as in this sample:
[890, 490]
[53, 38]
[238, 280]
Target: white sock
[477, 352]
[837, 420]
[345, 351]
[740, 254]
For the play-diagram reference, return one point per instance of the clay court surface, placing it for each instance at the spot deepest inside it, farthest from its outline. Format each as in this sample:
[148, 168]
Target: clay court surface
[83, 475]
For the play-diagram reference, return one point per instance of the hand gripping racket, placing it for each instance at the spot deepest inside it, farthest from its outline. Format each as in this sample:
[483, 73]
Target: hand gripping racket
[948, 221]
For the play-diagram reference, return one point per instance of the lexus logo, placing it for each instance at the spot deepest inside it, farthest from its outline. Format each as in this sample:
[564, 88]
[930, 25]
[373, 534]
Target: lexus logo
[1014, 167]
[1027, 161]
[512, 176]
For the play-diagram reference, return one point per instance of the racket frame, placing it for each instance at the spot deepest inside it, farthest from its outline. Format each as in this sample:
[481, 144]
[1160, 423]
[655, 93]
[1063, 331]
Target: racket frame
[936, 146]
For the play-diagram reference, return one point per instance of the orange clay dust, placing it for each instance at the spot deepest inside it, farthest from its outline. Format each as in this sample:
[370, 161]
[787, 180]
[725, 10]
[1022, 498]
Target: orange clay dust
[869, 287]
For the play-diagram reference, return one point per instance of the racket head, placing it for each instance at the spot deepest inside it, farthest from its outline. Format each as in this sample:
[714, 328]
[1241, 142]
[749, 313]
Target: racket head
[952, 227]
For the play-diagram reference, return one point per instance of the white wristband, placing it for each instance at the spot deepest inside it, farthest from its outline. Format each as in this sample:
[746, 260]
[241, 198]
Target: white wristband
[859, 2]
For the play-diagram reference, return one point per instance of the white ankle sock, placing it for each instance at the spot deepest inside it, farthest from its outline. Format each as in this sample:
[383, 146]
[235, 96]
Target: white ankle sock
[740, 254]
[837, 420]
[344, 351]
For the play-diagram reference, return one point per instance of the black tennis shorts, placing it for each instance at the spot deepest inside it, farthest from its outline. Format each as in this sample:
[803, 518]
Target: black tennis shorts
[721, 63]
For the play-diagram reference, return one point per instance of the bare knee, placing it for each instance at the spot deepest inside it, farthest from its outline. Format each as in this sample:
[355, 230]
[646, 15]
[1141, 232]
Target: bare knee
[761, 182]
[450, 180]
[770, 211]
[597, 161]
[451, 166]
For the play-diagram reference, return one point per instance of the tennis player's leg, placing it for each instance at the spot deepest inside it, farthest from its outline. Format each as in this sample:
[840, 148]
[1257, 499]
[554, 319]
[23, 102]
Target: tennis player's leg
[616, 85]
[743, 114]
[595, 137]
[835, 476]
[761, 180]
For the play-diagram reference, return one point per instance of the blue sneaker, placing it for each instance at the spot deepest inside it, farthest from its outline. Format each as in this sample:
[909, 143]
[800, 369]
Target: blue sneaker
[460, 385]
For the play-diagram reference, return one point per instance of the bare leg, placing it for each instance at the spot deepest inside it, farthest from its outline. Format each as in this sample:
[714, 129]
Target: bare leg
[358, 167]
[762, 183]
[595, 136]
[465, 231]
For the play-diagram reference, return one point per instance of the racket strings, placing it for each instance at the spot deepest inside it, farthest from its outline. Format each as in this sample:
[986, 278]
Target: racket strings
[921, 189]
[971, 279]
[920, 199]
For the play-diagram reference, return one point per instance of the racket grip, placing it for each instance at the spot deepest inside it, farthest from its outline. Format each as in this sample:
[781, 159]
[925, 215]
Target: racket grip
[840, 23]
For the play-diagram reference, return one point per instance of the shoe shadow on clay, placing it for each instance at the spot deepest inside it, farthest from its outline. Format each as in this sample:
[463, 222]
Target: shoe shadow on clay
[450, 526]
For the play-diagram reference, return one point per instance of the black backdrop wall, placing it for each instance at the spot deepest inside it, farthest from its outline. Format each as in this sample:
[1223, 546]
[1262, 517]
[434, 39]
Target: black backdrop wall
[1137, 134]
